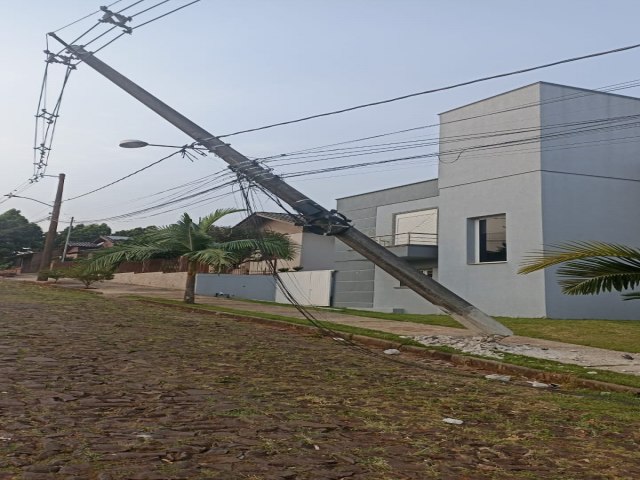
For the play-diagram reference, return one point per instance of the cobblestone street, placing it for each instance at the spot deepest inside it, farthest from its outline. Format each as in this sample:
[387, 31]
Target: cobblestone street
[107, 388]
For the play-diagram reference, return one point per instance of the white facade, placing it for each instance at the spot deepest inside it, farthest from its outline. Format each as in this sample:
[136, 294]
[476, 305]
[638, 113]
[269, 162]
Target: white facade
[552, 164]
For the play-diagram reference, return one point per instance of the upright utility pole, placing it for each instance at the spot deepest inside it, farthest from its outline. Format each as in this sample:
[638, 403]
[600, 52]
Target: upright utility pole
[51, 234]
[318, 219]
[66, 242]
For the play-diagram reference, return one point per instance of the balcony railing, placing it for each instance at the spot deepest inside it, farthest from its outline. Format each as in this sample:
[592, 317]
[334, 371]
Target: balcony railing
[410, 238]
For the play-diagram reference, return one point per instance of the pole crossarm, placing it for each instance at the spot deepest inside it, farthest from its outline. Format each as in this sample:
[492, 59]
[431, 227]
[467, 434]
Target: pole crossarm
[318, 218]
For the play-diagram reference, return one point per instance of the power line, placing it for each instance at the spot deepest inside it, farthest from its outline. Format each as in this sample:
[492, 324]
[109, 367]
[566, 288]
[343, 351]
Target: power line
[562, 98]
[85, 17]
[165, 14]
[585, 126]
[439, 89]
[125, 177]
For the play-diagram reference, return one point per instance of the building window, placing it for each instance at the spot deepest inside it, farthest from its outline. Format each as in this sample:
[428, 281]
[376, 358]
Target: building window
[416, 228]
[490, 242]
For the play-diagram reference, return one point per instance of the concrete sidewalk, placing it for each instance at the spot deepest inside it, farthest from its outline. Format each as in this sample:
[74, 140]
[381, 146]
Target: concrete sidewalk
[588, 357]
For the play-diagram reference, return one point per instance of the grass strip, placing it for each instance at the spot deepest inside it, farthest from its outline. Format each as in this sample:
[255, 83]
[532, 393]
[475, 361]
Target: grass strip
[425, 319]
[337, 327]
[619, 335]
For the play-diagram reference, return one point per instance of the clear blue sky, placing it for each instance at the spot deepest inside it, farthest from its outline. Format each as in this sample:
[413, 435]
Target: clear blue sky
[236, 64]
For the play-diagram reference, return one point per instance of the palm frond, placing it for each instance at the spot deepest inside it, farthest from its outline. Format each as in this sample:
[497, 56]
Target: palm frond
[212, 256]
[183, 236]
[114, 256]
[631, 296]
[590, 276]
[205, 223]
[589, 268]
[557, 254]
[269, 246]
[184, 221]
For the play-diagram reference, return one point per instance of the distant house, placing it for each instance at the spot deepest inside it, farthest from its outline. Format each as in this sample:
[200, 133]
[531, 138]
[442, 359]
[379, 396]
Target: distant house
[315, 252]
[108, 241]
[83, 249]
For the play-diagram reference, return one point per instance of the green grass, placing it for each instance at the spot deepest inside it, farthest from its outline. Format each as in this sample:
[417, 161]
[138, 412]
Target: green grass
[535, 363]
[426, 319]
[621, 335]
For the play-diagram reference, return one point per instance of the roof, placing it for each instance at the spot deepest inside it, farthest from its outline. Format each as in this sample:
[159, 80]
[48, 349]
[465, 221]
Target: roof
[430, 180]
[115, 238]
[277, 216]
[538, 84]
[84, 245]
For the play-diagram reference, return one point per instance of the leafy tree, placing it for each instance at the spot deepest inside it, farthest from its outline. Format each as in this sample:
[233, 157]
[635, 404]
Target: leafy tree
[249, 254]
[193, 241]
[589, 268]
[137, 232]
[83, 233]
[17, 233]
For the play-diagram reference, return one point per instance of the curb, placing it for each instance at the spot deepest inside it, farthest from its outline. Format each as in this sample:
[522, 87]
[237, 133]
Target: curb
[454, 358]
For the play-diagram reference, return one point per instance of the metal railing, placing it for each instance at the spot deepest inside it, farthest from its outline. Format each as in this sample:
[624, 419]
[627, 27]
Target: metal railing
[410, 238]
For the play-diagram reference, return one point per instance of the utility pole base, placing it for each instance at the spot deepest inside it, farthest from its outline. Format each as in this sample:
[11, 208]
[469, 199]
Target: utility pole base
[478, 321]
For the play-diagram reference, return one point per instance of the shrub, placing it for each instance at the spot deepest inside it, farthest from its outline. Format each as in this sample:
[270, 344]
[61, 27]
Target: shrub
[56, 274]
[88, 275]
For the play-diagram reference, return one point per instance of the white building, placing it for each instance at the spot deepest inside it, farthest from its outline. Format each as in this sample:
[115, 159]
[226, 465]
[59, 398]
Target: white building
[541, 165]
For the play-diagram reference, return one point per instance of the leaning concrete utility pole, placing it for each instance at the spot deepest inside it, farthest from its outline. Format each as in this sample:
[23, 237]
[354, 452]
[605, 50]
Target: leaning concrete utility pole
[317, 218]
[66, 242]
[51, 234]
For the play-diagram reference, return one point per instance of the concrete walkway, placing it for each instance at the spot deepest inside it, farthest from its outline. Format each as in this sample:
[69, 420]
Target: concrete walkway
[588, 357]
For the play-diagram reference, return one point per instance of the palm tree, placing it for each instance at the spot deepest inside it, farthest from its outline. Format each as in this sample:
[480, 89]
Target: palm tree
[194, 242]
[589, 268]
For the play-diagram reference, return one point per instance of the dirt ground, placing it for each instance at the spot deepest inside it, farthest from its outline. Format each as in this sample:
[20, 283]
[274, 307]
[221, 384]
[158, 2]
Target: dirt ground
[107, 388]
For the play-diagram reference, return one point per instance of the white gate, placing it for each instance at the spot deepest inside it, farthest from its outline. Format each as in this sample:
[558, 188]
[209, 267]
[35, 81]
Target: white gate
[308, 288]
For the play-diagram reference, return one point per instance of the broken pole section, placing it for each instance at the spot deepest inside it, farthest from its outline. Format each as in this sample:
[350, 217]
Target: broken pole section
[317, 218]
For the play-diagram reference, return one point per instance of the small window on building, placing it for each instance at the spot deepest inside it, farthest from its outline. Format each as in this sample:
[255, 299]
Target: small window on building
[490, 242]
[428, 272]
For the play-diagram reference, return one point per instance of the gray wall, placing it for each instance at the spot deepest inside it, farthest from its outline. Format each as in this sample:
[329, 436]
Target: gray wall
[590, 189]
[388, 293]
[317, 252]
[255, 287]
[498, 179]
[355, 276]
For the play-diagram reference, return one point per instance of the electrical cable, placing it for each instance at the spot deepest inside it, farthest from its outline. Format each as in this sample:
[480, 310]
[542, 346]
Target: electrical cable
[562, 98]
[149, 8]
[165, 14]
[439, 89]
[125, 177]
[85, 17]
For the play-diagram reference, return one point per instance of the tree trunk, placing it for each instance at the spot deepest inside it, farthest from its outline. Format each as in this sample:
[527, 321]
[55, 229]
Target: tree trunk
[190, 287]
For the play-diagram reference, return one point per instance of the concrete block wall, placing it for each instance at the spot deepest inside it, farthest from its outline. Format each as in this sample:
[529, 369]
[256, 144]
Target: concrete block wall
[175, 280]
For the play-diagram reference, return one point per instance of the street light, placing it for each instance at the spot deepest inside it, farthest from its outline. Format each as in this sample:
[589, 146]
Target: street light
[132, 143]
